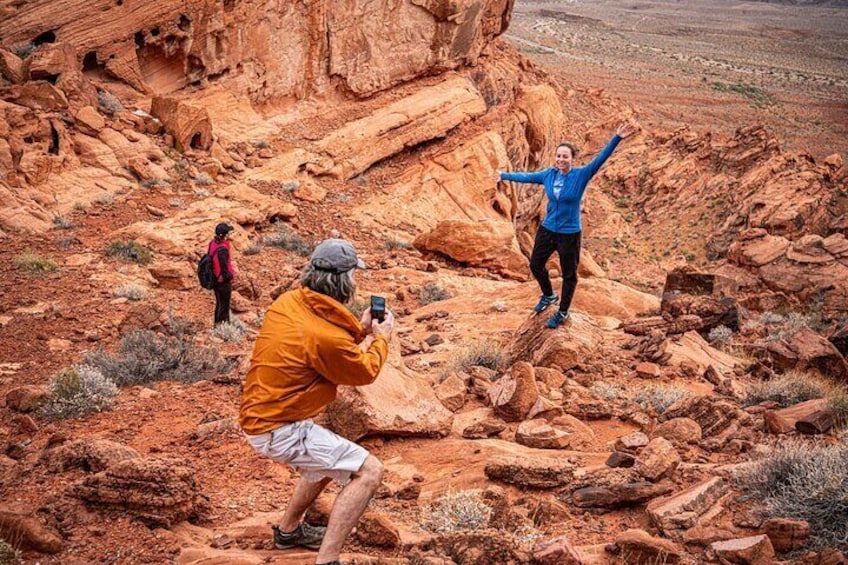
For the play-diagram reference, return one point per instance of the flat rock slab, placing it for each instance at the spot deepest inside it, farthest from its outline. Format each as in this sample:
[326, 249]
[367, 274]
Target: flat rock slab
[529, 473]
[754, 550]
[681, 510]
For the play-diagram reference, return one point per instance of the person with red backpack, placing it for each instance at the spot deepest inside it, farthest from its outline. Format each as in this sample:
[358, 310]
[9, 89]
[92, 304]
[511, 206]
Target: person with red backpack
[222, 268]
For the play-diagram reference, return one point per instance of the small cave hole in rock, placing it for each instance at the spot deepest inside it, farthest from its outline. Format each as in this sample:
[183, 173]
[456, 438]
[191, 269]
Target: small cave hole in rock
[120, 2]
[46, 37]
[196, 141]
[185, 23]
[139, 39]
[154, 32]
[54, 141]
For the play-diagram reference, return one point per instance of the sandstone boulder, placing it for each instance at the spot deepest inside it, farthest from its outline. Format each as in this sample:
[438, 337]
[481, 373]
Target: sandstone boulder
[398, 403]
[620, 495]
[160, 491]
[754, 550]
[787, 535]
[186, 121]
[556, 551]
[681, 510]
[679, 430]
[92, 455]
[514, 394]
[426, 114]
[487, 244]
[541, 435]
[711, 414]
[657, 460]
[806, 349]
[451, 392]
[783, 421]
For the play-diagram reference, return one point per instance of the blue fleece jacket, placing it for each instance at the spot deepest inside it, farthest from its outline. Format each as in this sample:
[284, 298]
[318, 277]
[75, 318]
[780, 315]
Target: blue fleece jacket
[563, 214]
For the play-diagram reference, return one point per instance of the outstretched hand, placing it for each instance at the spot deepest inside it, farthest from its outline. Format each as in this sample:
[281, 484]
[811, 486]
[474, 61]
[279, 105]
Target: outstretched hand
[626, 129]
[496, 176]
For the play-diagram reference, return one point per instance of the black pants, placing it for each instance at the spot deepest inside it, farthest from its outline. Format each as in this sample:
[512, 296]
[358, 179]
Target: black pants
[567, 245]
[223, 291]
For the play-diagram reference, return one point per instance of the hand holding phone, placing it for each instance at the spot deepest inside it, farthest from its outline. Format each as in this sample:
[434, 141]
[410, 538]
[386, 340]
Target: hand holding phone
[378, 308]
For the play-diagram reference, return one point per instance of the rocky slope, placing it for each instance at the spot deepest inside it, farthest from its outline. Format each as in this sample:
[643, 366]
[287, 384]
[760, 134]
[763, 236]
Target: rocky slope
[126, 136]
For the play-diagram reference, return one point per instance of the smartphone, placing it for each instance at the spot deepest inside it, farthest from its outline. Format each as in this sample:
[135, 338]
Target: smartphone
[378, 308]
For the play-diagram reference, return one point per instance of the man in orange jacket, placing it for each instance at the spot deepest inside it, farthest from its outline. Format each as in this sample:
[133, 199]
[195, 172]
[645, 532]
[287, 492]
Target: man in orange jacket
[309, 344]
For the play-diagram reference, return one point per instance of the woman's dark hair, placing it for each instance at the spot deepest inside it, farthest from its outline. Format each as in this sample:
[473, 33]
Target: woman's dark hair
[571, 146]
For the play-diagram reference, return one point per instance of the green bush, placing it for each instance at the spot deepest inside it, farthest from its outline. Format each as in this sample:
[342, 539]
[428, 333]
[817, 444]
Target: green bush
[145, 357]
[34, 264]
[130, 251]
[78, 391]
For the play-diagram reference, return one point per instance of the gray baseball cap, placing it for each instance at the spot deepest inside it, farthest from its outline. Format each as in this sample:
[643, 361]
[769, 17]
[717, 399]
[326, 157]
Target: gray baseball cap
[336, 256]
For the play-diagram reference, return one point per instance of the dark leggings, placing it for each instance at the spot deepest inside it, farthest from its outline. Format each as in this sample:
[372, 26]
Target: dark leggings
[567, 245]
[223, 291]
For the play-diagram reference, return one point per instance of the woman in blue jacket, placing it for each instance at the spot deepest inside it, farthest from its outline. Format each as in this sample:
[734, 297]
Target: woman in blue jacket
[560, 232]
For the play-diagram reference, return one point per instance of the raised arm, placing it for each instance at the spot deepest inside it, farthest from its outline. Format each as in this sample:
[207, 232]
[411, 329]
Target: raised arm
[624, 131]
[537, 177]
[344, 363]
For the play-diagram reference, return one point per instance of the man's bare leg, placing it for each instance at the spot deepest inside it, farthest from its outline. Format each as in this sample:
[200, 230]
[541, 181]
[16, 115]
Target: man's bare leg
[349, 506]
[303, 496]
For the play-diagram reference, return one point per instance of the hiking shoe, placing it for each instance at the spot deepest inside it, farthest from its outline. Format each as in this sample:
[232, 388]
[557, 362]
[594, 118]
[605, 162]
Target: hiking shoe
[557, 319]
[304, 535]
[544, 302]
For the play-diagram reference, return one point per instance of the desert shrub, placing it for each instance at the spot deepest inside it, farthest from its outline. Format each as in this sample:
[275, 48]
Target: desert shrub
[62, 223]
[837, 401]
[105, 198]
[253, 248]
[130, 251]
[34, 264]
[482, 353]
[608, 391]
[107, 102]
[804, 482]
[78, 391]
[25, 50]
[659, 397]
[720, 335]
[130, 292]
[789, 388]
[456, 511]
[8, 554]
[431, 292]
[289, 185]
[394, 244]
[144, 357]
[203, 179]
[231, 331]
[150, 183]
[261, 144]
[286, 238]
[180, 326]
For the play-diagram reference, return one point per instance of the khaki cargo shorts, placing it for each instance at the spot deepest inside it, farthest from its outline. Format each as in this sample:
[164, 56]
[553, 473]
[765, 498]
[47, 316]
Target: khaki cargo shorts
[315, 452]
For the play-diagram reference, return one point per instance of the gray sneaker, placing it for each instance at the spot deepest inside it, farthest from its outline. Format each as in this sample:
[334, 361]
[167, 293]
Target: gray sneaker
[304, 535]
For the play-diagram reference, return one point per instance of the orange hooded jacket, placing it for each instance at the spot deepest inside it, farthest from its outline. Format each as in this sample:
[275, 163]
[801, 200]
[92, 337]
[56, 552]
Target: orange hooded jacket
[307, 346]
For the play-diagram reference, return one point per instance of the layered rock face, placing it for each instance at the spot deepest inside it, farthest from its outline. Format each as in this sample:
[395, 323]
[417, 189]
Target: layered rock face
[270, 48]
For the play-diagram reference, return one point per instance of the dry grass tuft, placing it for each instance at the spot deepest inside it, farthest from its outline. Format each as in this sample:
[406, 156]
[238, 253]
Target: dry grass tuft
[456, 511]
[805, 482]
[78, 391]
